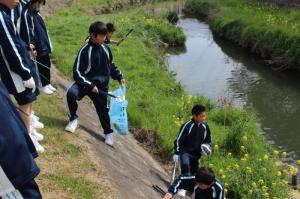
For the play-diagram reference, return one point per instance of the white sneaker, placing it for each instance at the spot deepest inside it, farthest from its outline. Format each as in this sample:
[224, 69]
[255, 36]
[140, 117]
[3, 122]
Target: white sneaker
[36, 124]
[34, 117]
[181, 192]
[72, 125]
[36, 135]
[109, 139]
[51, 87]
[39, 148]
[46, 90]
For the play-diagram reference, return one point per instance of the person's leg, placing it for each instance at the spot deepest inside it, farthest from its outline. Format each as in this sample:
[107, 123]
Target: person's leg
[73, 94]
[194, 163]
[25, 100]
[44, 65]
[185, 164]
[100, 103]
[25, 114]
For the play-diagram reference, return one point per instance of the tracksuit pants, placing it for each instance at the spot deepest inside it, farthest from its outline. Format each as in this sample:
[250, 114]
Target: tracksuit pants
[189, 164]
[76, 93]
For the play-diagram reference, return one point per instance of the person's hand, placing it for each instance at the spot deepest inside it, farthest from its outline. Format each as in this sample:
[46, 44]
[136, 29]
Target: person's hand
[33, 52]
[119, 41]
[30, 84]
[122, 81]
[95, 90]
[205, 149]
[175, 158]
[168, 196]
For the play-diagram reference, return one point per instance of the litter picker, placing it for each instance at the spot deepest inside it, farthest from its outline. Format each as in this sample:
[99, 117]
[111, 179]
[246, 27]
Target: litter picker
[127, 34]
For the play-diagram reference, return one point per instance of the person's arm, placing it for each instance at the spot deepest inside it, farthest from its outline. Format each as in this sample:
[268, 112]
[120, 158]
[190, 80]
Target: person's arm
[9, 49]
[180, 138]
[219, 191]
[207, 139]
[116, 74]
[117, 42]
[80, 65]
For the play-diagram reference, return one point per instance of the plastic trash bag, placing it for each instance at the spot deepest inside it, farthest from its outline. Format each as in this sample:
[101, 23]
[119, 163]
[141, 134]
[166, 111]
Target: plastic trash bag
[117, 111]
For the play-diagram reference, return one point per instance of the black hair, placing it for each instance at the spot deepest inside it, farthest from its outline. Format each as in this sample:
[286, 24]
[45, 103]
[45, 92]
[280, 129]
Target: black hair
[98, 28]
[198, 109]
[110, 27]
[205, 176]
[34, 1]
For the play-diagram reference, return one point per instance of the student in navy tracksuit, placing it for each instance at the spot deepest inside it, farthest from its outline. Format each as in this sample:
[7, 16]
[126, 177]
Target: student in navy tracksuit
[16, 68]
[193, 140]
[17, 13]
[207, 186]
[34, 33]
[17, 166]
[92, 69]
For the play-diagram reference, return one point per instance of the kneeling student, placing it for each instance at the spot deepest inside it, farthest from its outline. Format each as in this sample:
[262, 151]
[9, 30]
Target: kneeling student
[207, 186]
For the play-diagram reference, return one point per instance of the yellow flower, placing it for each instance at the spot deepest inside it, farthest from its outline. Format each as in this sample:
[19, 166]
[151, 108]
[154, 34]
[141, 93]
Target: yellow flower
[245, 138]
[266, 157]
[225, 190]
[237, 166]
[298, 162]
[210, 165]
[229, 154]
[275, 152]
[284, 154]
[243, 159]
[278, 173]
[260, 181]
[223, 177]
[242, 148]
[221, 171]
[277, 163]
[216, 147]
[253, 184]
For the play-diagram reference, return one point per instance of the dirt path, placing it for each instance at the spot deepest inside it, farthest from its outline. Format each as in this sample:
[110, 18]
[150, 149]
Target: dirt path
[131, 169]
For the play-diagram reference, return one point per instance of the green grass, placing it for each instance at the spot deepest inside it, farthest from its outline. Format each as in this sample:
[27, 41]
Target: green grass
[268, 30]
[158, 103]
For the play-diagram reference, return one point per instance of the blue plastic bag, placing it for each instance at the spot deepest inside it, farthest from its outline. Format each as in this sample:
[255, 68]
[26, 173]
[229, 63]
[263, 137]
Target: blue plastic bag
[117, 111]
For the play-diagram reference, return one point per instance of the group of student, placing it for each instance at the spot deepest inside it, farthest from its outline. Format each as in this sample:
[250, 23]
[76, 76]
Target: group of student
[25, 70]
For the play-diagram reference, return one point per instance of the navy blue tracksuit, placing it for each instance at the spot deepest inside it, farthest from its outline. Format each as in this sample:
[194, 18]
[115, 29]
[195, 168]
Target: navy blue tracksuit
[186, 182]
[33, 31]
[93, 67]
[17, 166]
[15, 63]
[188, 145]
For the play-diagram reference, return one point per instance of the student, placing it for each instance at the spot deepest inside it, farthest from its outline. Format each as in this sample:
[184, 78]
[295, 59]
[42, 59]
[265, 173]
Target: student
[92, 69]
[111, 30]
[17, 166]
[17, 70]
[207, 186]
[34, 33]
[193, 140]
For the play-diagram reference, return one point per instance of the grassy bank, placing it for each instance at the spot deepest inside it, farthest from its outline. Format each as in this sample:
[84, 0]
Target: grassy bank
[66, 168]
[268, 30]
[242, 159]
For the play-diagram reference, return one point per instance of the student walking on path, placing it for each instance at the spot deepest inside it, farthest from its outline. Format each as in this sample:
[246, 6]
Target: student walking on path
[92, 70]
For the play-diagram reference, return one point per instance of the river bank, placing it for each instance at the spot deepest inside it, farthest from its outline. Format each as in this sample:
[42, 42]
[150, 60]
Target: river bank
[242, 158]
[267, 30]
